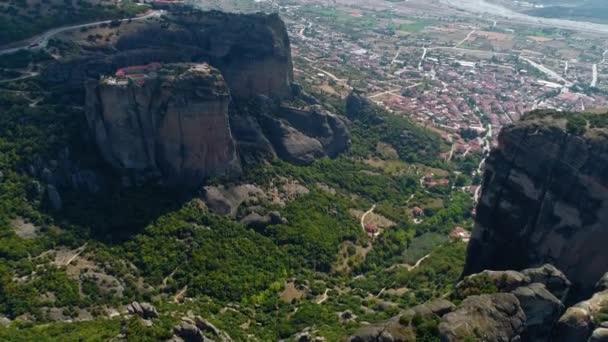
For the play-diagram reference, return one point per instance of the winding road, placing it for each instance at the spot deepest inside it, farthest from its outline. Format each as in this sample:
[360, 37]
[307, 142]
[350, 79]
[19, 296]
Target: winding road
[42, 40]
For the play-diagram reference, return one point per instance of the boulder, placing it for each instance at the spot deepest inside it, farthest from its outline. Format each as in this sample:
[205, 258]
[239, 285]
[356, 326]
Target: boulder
[188, 332]
[437, 307]
[144, 310]
[387, 331]
[290, 144]
[207, 327]
[542, 310]
[553, 279]
[575, 325]
[602, 284]
[496, 317]
[224, 200]
[505, 281]
[599, 335]
[578, 322]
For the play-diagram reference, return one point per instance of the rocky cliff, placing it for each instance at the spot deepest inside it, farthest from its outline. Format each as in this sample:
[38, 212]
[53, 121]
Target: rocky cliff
[545, 199]
[230, 104]
[251, 50]
[172, 122]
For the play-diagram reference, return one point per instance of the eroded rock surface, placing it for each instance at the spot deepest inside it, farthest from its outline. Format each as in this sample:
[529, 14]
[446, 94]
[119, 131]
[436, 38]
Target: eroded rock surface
[542, 310]
[252, 50]
[495, 317]
[544, 199]
[172, 122]
[582, 320]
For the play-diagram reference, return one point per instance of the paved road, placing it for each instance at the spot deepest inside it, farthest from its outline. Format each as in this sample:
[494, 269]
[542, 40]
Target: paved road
[552, 74]
[42, 40]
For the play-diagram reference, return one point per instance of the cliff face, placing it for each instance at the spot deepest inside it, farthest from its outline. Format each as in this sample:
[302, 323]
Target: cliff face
[178, 123]
[544, 200]
[172, 122]
[251, 50]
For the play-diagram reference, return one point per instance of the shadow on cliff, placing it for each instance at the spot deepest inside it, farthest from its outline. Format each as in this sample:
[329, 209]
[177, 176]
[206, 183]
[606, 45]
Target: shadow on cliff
[112, 213]
[116, 214]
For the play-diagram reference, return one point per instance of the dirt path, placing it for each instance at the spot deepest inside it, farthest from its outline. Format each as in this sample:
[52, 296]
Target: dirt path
[78, 251]
[365, 215]
[178, 296]
[411, 268]
[465, 39]
[164, 282]
[323, 298]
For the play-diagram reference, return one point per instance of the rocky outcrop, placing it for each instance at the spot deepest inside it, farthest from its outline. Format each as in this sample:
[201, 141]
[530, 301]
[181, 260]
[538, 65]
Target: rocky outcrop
[542, 310]
[172, 122]
[437, 307]
[144, 310]
[544, 199]
[496, 317]
[198, 329]
[507, 281]
[187, 125]
[553, 279]
[580, 321]
[387, 331]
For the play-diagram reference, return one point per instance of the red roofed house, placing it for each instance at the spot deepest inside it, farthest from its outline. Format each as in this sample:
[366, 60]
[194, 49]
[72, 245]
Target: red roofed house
[371, 229]
[137, 69]
[460, 234]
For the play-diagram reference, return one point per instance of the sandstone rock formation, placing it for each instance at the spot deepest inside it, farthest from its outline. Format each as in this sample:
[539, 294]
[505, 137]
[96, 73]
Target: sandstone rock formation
[186, 125]
[172, 121]
[144, 310]
[496, 317]
[387, 331]
[507, 281]
[251, 50]
[302, 135]
[553, 279]
[544, 199]
[589, 317]
[542, 310]
[198, 329]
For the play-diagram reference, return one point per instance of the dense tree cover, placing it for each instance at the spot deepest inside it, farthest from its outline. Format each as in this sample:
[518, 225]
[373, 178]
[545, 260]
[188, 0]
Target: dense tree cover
[412, 142]
[211, 255]
[97, 330]
[576, 123]
[157, 241]
[21, 297]
[318, 223]
[457, 212]
[437, 274]
[23, 58]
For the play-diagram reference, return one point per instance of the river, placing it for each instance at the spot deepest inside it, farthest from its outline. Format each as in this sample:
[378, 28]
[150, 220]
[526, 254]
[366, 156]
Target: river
[483, 7]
